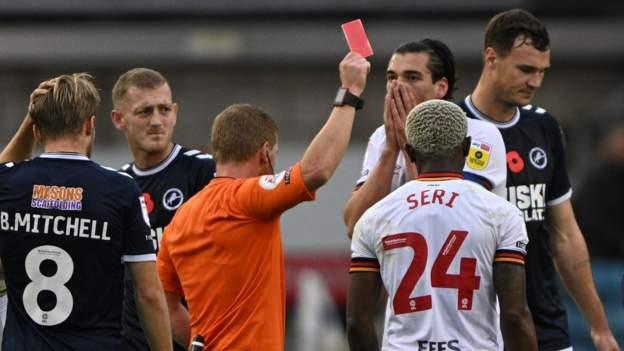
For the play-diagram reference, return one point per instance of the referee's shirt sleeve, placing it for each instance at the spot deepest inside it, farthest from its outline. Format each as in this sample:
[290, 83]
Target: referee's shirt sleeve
[138, 245]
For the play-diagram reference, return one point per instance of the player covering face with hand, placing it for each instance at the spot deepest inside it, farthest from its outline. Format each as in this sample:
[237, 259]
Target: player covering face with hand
[417, 72]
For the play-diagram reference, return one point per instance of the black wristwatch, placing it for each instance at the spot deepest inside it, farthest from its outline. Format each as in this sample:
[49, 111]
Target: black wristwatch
[344, 97]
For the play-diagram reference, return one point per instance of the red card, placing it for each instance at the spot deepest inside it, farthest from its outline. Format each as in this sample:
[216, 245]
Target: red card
[356, 38]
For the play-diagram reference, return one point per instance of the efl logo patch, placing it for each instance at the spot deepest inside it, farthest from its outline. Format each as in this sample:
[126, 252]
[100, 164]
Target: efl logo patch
[478, 156]
[271, 181]
[57, 197]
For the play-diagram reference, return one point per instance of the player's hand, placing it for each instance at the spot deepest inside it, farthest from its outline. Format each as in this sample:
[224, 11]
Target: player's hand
[389, 120]
[604, 341]
[353, 72]
[42, 89]
[402, 102]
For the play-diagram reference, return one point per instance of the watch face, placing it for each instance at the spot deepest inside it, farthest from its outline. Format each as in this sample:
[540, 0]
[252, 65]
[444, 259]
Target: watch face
[340, 96]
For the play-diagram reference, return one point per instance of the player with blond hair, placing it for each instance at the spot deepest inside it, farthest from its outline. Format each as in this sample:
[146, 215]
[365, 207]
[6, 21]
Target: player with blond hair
[67, 226]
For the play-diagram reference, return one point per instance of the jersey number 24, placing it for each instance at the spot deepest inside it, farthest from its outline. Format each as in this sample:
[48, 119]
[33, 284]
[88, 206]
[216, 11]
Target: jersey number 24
[466, 282]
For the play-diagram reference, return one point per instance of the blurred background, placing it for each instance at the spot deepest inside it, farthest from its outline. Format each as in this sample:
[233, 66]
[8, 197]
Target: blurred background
[282, 56]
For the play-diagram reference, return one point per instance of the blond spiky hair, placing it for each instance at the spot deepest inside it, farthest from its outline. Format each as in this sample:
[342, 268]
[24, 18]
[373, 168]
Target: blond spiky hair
[436, 127]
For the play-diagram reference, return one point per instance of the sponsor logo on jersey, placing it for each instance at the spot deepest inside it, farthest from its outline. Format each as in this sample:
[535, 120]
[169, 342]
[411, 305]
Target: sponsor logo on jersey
[271, 181]
[515, 163]
[156, 235]
[427, 345]
[530, 199]
[56, 197]
[173, 199]
[144, 210]
[478, 155]
[538, 158]
[365, 172]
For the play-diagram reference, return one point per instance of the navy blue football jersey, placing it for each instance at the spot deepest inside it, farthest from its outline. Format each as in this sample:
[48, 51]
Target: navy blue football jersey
[537, 177]
[165, 187]
[67, 225]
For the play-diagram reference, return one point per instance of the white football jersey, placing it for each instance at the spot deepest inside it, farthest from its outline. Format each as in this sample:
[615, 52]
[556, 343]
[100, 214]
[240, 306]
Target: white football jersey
[434, 241]
[487, 159]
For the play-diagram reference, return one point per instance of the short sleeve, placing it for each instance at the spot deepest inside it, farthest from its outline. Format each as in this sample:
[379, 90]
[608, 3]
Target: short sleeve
[363, 256]
[497, 172]
[372, 154]
[138, 245]
[513, 239]
[268, 196]
[166, 269]
[560, 189]
[487, 157]
[205, 171]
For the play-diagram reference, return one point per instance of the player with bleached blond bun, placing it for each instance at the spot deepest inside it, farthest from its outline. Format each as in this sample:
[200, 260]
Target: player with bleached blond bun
[436, 128]
[443, 248]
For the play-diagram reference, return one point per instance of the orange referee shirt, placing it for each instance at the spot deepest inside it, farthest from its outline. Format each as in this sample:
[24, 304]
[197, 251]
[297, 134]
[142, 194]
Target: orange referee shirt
[223, 252]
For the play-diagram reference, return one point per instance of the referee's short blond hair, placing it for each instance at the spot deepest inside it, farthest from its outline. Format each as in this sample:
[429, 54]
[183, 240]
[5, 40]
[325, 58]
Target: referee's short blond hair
[436, 128]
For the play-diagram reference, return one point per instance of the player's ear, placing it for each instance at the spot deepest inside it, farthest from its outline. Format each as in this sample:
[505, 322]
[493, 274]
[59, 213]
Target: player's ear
[37, 134]
[264, 152]
[466, 145]
[441, 87]
[489, 56]
[118, 120]
[89, 126]
[174, 109]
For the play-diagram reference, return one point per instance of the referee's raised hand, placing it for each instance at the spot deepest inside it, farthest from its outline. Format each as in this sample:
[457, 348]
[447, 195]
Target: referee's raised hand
[353, 72]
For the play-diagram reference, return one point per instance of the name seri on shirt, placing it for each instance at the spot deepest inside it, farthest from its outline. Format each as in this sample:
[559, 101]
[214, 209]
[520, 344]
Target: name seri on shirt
[429, 197]
[58, 225]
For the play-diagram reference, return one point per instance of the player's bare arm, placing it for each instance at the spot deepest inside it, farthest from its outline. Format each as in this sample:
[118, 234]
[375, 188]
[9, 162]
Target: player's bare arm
[397, 104]
[515, 318]
[317, 164]
[362, 302]
[572, 261]
[180, 322]
[151, 305]
[378, 184]
[21, 145]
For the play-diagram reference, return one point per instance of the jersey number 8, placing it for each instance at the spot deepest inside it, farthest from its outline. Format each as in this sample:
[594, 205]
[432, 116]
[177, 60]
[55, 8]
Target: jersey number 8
[55, 284]
[466, 282]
